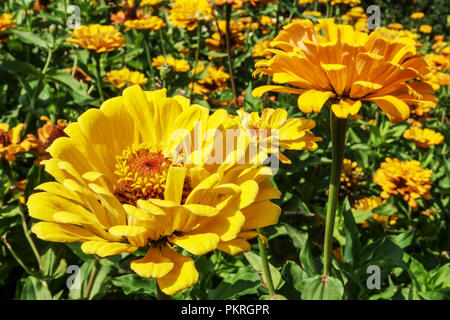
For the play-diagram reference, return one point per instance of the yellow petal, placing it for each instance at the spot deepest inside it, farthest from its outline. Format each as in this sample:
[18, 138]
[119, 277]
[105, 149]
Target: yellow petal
[234, 246]
[198, 244]
[56, 232]
[258, 92]
[143, 114]
[313, 100]
[175, 184]
[153, 265]
[182, 276]
[395, 109]
[126, 231]
[103, 248]
[261, 214]
[345, 108]
[248, 194]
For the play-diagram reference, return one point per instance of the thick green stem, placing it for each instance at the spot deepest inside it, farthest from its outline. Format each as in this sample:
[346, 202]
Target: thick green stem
[338, 129]
[98, 78]
[149, 59]
[197, 50]
[161, 39]
[228, 8]
[265, 265]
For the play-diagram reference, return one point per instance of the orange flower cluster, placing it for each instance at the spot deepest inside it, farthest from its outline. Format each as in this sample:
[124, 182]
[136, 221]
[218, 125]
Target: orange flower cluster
[405, 178]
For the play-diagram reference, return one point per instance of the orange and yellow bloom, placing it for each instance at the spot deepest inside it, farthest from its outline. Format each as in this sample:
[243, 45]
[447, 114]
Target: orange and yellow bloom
[97, 38]
[405, 178]
[119, 78]
[345, 67]
[423, 138]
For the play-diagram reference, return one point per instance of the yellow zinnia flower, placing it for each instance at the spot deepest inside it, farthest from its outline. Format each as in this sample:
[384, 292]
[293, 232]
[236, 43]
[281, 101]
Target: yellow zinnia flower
[153, 23]
[119, 78]
[6, 22]
[293, 133]
[97, 37]
[48, 133]
[425, 28]
[215, 80]
[186, 13]
[121, 185]
[370, 203]
[351, 174]
[150, 2]
[217, 40]
[345, 66]
[406, 178]
[10, 142]
[178, 65]
[417, 15]
[423, 138]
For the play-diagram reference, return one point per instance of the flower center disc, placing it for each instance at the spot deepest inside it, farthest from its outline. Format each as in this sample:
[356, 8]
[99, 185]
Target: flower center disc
[4, 138]
[143, 174]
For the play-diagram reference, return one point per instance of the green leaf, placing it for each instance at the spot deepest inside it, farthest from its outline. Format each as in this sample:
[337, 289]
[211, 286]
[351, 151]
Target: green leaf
[307, 259]
[256, 263]
[132, 283]
[244, 282]
[65, 78]
[404, 239]
[99, 271]
[434, 295]
[298, 237]
[293, 275]
[33, 39]
[33, 289]
[441, 277]
[315, 288]
[352, 249]
[418, 274]
[17, 66]
[361, 215]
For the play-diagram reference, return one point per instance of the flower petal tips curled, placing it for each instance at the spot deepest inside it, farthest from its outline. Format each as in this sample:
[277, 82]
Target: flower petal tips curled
[346, 66]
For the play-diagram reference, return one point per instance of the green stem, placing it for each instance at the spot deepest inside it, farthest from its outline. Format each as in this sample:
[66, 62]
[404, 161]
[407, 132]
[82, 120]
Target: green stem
[74, 67]
[265, 265]
[197, 50]
[338, 129]
[91, 281]
[228, 8]
[161, 39]
[14, 254]
[98, 78]
[149, 59]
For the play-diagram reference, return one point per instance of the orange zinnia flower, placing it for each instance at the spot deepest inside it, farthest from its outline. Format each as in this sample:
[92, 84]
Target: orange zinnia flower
[97, 38]
[347, 67]
[10, 143]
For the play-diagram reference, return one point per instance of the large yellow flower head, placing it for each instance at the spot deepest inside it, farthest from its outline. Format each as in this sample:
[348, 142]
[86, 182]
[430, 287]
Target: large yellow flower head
[119, 78]
[97, 38]
[126, 178]
[404, 178]
[346, 67]
[293, 133]
[186, 13]
[423, 138]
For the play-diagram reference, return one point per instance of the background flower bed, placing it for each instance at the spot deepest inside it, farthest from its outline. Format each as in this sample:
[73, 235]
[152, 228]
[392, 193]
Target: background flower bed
[44, 75]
